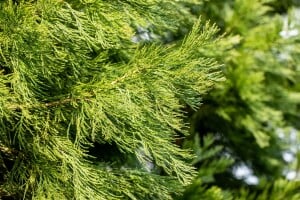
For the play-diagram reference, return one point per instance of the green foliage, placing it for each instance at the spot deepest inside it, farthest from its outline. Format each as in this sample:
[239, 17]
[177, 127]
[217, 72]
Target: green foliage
[199, 191]
[208, 165]
[259, 97]
[85, 112]
[206, 158]
[280, 189]
[97, 99]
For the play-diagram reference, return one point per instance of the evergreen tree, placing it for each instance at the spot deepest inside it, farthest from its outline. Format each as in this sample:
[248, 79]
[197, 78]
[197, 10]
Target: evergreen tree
[88, 108]
[98, 99]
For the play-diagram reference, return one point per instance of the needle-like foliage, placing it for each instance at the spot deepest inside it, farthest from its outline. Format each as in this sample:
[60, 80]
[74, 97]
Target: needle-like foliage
[86, 112]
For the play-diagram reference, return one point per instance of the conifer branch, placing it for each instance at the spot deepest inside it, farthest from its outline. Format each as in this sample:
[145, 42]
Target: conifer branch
[60, 102]
[125, 76]
[8, 151]
[138, 119]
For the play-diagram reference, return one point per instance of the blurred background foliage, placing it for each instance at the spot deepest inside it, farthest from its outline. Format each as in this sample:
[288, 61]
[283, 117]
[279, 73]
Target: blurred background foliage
[245, 133]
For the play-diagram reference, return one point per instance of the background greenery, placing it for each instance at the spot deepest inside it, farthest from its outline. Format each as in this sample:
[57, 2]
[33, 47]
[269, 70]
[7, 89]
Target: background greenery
[253, 114]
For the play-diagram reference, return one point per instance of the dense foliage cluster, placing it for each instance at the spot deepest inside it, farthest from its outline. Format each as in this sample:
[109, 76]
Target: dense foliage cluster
[145, 100]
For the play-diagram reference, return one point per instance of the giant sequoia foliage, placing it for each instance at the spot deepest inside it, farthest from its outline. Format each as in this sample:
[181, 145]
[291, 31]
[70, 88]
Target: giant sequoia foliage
[88, 113]
[101, 99]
